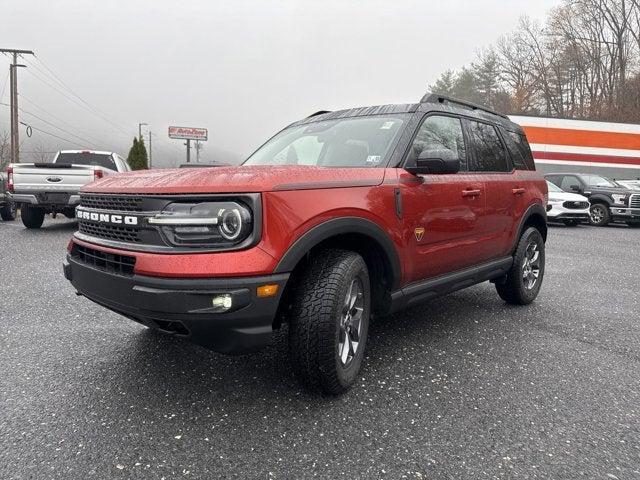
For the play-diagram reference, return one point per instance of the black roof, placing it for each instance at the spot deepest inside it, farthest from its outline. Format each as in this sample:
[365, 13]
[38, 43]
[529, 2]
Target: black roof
[429, 102]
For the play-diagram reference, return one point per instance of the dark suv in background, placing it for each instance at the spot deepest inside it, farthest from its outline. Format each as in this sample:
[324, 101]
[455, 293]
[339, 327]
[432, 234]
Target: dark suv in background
[610, 201]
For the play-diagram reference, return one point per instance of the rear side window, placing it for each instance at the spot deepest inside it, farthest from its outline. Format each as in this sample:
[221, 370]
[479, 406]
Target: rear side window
[520, 151]
[490, 155]
[97, 159]
[437, 133]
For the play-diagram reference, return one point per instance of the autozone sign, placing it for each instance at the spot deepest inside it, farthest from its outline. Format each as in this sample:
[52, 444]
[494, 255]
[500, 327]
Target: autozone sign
[188, 133]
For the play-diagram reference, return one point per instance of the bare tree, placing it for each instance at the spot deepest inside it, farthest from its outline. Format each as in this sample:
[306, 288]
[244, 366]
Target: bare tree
[583, 62]
[40, 154]
[5, 149]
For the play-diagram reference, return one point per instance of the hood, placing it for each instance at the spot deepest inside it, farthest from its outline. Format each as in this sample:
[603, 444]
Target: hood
[238, 179]
[568, 197]
[609, 190]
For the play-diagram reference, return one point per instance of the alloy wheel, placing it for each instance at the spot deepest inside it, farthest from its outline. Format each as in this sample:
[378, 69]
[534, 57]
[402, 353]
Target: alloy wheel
[531, 265]
[351, 322]
[597, 214]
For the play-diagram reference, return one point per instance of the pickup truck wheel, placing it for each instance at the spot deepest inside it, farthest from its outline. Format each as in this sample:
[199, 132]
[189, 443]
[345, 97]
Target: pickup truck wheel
[8, 212]
[599, 215]
[524, 279]
[32, 217]
[330, 321]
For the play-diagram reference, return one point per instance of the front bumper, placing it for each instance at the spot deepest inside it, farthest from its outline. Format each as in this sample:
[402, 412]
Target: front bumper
[557, 212]
[625, 213]
[184, 306]
[46, 198]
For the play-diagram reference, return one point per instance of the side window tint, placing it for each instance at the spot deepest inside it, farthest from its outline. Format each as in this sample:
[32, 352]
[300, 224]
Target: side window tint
[440, 133]
[490, 155]
[520, 151]
[569, 181]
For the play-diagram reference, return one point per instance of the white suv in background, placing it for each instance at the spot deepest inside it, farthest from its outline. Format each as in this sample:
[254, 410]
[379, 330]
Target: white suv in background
[565, 207]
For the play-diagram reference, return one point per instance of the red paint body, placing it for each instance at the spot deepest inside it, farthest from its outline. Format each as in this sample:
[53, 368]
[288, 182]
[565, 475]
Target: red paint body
[468, 218]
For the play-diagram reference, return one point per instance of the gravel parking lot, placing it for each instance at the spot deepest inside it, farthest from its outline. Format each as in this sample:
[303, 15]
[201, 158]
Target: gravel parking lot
[462, 387]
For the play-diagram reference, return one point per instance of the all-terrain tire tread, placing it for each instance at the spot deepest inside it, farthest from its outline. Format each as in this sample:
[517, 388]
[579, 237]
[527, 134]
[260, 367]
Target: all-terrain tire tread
[312, 326]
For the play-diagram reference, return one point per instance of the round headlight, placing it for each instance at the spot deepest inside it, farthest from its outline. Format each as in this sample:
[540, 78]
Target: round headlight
[230, 224]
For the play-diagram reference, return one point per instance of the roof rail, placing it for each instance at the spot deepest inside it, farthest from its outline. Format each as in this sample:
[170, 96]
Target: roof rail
[436, 98]
[319, 112]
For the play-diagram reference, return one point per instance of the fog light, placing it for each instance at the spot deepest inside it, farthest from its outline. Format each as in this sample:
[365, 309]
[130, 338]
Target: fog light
[267, 290]
[222, 303]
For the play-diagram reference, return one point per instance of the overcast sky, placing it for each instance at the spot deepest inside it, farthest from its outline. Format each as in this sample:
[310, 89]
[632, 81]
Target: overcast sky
[242, 69]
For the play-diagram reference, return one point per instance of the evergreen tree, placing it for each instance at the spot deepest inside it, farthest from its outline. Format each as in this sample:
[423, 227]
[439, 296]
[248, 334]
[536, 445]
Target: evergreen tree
[445, 84]
[137, 158]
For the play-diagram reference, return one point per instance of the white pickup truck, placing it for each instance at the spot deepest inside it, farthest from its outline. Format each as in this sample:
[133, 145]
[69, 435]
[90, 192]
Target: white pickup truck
[41, 188]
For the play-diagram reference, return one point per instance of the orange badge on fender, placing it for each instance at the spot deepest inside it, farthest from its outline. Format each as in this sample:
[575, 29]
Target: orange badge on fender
[419, 233]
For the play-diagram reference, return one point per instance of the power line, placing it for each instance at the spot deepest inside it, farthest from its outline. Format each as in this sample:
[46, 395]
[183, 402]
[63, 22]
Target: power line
[4, 85]
[96, 110]
[71, 99]
[55, 126]
[62, 121]
[55, 136]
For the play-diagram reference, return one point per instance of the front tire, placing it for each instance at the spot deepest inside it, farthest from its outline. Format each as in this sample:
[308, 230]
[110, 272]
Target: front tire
[8, 212]
[599, 215]
[32, 217]
[522, 284]
[330, 321]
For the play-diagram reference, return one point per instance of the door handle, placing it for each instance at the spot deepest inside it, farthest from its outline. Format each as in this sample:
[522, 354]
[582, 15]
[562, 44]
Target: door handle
[471, 193]
[518, 191]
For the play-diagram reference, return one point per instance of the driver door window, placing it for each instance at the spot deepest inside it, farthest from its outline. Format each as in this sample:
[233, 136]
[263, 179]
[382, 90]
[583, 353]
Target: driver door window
[568, 182]
[439, 132]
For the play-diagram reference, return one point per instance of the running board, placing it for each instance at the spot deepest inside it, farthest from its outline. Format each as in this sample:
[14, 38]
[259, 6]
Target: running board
[415, 293]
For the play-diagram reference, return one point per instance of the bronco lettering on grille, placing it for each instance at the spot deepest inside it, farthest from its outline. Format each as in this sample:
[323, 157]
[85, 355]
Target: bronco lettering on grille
[106, 217]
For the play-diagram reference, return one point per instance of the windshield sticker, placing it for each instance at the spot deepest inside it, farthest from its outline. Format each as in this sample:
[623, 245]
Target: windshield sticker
[386, 125]
[375, 159]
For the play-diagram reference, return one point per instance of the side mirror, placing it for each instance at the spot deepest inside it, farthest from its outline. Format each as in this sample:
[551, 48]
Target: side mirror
[435, 162]
[575, 188]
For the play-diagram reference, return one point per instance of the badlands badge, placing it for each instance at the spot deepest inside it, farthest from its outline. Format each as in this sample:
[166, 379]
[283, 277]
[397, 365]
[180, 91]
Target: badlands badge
[419, 232]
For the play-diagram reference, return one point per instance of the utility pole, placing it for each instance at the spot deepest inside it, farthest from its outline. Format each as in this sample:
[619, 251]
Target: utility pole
[188, 144]
[15, 124]
[140, 130]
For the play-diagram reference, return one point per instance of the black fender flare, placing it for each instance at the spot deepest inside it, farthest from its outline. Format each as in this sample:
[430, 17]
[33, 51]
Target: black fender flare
[600, 198]
[340, 226]
[535, 209]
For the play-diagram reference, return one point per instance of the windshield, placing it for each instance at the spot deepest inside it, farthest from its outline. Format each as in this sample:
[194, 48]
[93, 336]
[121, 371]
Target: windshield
[553, 187]
[598, 181]
[80, 158]
[344, 142]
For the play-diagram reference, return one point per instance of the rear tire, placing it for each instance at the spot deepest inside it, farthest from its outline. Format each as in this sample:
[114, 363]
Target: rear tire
[522, 284]
[330, 321]
[634, 224]
[8, 212]
[599, 215]
[32, 217]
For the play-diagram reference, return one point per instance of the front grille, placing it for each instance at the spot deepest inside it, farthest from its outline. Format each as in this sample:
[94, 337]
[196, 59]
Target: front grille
[575, 205]
[108, 262]
[110, 232]
[634, 200]
[120, 203]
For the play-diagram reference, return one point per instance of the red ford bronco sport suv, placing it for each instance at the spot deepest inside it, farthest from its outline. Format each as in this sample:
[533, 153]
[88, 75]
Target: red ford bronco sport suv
[340, 217]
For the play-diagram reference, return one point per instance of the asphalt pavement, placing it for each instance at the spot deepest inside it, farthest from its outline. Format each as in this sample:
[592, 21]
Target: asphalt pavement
[463, 387]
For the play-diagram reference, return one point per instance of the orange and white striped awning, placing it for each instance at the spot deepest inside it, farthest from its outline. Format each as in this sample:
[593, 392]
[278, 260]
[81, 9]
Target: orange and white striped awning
[582, 142]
